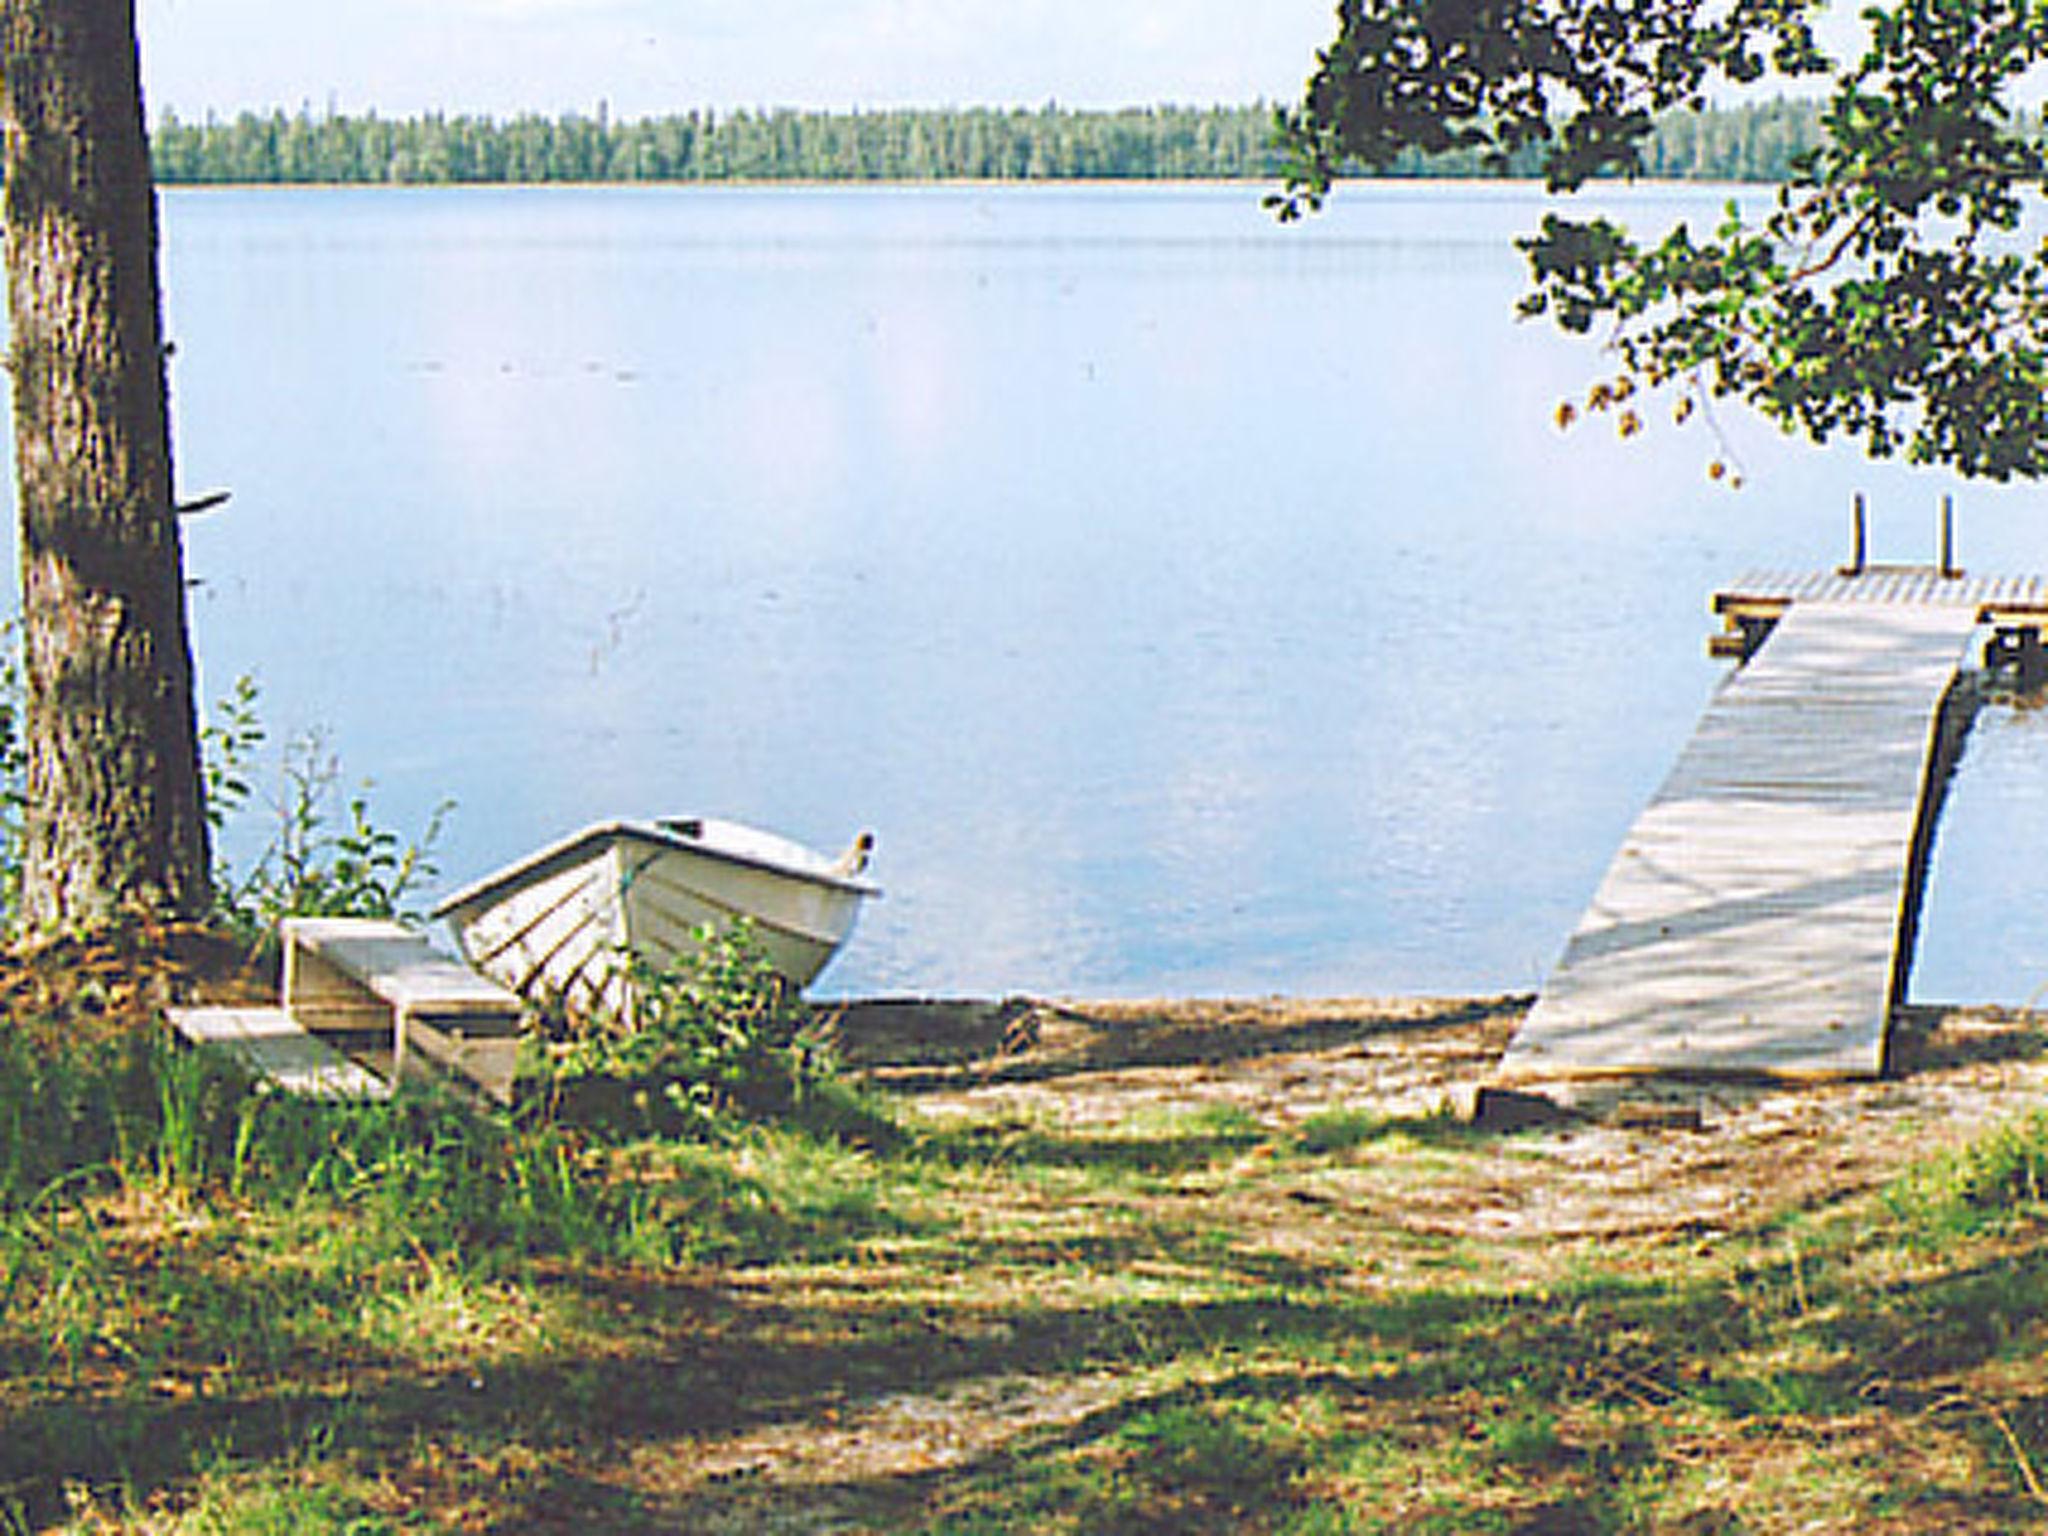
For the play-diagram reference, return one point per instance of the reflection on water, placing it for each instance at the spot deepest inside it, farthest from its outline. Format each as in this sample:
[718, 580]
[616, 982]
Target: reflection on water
[1189, 604]
[1984, 929]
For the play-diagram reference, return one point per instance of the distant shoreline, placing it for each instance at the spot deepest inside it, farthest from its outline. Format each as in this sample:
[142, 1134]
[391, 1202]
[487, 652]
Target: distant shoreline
[912, 146]
[771, 183]
[1528, 184]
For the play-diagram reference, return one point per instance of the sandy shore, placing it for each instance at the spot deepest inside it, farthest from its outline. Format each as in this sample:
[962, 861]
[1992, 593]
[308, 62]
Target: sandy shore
[1635, 1156]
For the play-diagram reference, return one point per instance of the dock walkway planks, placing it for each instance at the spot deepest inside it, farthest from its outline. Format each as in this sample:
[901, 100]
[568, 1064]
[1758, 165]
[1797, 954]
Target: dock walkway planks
[1751, 921]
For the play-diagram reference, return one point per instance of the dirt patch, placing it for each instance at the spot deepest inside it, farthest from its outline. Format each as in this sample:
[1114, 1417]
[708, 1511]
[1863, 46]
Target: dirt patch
[119, 981]
[1282, 1060]
[1594, 1159]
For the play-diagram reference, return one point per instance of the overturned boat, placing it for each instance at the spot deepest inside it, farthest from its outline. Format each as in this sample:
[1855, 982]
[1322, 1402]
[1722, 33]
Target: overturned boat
[558, 926]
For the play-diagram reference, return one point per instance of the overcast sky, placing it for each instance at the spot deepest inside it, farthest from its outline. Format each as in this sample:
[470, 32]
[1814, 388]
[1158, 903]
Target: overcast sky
[652, 56]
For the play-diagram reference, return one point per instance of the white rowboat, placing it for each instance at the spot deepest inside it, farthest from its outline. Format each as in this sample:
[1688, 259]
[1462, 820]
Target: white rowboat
[557, 926]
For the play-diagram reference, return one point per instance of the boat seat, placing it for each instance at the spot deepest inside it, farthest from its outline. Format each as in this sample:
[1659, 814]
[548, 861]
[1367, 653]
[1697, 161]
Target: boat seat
[372, 976]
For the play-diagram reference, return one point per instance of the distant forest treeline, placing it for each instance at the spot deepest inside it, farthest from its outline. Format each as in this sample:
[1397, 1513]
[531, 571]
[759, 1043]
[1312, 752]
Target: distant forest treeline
[1051, 144]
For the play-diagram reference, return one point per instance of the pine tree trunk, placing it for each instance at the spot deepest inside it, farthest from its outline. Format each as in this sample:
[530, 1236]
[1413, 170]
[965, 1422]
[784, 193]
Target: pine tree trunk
[114, 823]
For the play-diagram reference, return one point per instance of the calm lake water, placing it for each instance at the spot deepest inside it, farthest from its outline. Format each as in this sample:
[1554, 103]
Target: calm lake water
[1188, 604]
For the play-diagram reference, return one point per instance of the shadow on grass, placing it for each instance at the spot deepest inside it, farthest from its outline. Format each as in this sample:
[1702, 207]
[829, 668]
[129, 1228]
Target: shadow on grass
[1005, 1145]
[1198, 1141]
[1011, 1046]
[1767, 1351]
[1217, 1327]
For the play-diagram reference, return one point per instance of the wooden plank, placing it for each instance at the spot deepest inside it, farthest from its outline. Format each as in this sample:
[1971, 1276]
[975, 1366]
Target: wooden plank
[344, 973]
[1751, 920]
[1761, 592]
[387, 959]
[481, 1053]
[269, 1044]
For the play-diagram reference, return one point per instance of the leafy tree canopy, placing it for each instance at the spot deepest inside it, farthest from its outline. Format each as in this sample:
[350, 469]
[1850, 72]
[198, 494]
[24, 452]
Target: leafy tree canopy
[1889, 292]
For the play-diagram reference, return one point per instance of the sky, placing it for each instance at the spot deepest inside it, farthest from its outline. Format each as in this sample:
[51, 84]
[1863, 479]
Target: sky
[645, 57]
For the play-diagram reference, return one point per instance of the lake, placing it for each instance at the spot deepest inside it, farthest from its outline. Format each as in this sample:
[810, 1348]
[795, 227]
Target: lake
[1189, 604]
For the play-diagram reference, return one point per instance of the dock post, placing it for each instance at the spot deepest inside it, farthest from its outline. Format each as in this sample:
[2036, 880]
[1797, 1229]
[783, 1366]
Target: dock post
[1859, 537]
[1948, 539]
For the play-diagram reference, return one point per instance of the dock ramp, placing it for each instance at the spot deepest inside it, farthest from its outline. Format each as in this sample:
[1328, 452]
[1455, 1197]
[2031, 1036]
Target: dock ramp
[1755, 918]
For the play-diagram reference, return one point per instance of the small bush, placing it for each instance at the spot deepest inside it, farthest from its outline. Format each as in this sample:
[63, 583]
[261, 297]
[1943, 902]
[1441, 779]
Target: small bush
[717, 1035]
[327, 856]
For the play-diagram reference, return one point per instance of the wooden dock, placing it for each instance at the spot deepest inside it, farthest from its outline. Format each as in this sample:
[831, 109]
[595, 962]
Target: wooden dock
[1759, 915]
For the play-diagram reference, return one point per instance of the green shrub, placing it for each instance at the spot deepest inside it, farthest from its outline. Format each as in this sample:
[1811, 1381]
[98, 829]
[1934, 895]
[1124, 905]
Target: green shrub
[326, 856]
[718, 1034]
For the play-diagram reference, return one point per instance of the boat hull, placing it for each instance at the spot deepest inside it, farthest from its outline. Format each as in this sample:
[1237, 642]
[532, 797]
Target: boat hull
[559, 928]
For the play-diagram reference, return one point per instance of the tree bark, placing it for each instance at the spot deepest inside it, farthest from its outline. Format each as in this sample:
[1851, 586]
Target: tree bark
[114, 823]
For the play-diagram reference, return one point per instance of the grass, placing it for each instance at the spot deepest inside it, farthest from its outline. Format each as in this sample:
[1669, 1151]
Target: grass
[226, 1313]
